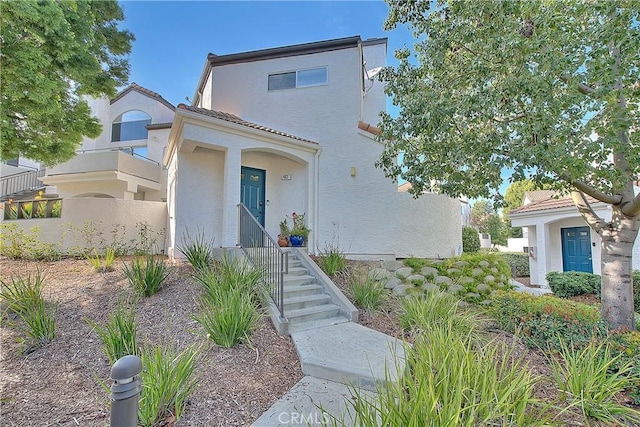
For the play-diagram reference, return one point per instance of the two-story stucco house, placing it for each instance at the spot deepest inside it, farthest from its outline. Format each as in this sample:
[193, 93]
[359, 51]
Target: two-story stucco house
[292, 129]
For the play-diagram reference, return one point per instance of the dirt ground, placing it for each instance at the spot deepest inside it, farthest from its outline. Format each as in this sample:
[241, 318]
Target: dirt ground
[59, 384]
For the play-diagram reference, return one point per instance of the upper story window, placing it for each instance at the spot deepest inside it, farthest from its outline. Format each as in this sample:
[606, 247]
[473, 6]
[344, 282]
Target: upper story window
[300, 78]
[130, 126]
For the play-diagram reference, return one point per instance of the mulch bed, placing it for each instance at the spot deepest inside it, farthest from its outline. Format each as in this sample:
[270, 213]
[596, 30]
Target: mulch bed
[59, 384]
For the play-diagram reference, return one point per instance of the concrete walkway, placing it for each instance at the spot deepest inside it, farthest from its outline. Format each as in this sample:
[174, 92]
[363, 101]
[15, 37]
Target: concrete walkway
[333, 359]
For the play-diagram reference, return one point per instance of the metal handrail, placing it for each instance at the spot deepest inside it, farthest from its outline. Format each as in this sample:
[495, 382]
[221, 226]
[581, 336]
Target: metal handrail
[264, 252]
[23, 181]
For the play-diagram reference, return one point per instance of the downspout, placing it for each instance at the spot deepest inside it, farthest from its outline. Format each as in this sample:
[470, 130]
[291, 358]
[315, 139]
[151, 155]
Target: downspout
[362, 72]
[316, 190]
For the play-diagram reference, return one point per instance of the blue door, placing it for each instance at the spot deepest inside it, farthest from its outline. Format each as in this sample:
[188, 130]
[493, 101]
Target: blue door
[576, 249]
[252, 191]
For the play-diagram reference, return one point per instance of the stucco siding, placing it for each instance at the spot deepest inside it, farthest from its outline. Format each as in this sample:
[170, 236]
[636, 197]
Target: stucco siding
[199, 187]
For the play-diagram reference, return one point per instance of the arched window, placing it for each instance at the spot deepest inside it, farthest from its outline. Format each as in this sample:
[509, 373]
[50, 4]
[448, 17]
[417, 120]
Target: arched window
[130, 126]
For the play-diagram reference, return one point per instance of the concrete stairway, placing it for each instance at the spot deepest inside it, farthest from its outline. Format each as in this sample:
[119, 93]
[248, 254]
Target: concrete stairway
[307, 305]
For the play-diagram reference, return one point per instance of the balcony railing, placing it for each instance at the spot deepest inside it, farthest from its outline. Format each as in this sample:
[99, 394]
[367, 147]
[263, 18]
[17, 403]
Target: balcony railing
[19, 182]
[264, 252]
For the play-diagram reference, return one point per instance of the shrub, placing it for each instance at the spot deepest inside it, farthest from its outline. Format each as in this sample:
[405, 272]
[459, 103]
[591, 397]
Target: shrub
[548, 321]
[40, 324]
[118, 336]
[587, 378]
[22, 293]
[198, 251]
[571, 283]
[167, 381]
[519, 263]
[146, 275]
[452, 381]
[470, 239]
[423, 312]
[102, 264]
[367, 293]
[228, 274]
[332, 260]
[19, 244]
[230, 318]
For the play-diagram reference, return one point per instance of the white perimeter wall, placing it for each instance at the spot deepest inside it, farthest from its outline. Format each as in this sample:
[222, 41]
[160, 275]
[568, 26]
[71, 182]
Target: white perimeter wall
[105, 213]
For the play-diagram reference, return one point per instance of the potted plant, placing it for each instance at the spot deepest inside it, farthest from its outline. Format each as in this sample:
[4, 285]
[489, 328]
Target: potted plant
[300, 231]
[283, 237]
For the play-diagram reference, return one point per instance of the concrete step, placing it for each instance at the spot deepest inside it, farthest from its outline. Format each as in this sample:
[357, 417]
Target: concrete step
[315, 324]
[308, 314]
[298, 280]
[349, 353]
[301, 290]
[297, 271]
[296, 303]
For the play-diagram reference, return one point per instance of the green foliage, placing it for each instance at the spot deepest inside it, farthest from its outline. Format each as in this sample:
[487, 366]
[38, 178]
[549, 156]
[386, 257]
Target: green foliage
[519, 262]
[548, 321]
[436, 309]
[53, 53]
[452, 380]
[590, 378]
[470, 240]
[368, 293]
[22, 293]
[418, 263]
[146, 274]
[299, 226]
[536, 95]
[199, 251]
[23, 297]
[514, 195]
[102, 264]
[636, 291]
[571, 283]
[16, 243]
[230, 318]
[167, 382]
[56, 209]
[229, 308]
[118, 336]
[332, 260]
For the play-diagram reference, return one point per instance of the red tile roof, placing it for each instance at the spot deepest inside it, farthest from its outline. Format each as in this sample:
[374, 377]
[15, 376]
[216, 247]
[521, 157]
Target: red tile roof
[144, 91]
[550, 203]
[235, 119]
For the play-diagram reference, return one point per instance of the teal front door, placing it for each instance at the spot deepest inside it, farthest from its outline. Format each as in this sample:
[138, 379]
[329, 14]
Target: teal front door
[252, 185]
[576, 249]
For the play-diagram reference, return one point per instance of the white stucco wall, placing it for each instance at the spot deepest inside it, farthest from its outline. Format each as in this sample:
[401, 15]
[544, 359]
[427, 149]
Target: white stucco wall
[545, 236]
[106, 214]
[364, 213]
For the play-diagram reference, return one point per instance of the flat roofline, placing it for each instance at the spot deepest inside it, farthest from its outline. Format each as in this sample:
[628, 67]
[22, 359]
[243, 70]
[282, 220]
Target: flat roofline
[281, 52]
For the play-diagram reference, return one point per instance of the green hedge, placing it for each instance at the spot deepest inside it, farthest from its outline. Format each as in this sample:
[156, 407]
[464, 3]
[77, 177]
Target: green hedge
[470, 239]
[571, 283]
[636, 290]
[546, 321]
[518, 261]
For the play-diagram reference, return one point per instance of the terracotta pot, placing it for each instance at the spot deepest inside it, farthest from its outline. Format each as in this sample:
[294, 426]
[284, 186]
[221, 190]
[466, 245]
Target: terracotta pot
[283, 242]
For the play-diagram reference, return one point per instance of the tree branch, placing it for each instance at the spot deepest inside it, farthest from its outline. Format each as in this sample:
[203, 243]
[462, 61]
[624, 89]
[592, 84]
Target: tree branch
[585, 209]
[631, 208]
[596, 194]
[509, 119]
[582, 88]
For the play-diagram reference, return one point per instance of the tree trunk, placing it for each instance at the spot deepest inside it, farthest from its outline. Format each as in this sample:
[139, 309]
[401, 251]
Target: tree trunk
[617, 283]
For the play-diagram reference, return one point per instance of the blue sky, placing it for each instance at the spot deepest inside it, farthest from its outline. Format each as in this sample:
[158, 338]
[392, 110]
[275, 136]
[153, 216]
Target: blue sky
[173, 38]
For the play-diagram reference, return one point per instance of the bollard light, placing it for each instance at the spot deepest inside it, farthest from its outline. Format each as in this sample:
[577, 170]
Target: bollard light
[125, 391]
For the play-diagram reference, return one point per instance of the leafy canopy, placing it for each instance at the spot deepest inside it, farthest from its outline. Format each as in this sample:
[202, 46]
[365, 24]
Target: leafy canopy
[53, 52]
[544, 88]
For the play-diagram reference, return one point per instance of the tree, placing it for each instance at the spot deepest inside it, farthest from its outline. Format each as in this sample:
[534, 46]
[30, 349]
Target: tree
[486, 220]
[514, 195]
[545, 89]
[53, 53]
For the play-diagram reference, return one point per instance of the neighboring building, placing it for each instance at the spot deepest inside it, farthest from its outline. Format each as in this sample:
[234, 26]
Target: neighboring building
[288, 130]
[559, 238]
[124, 162]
